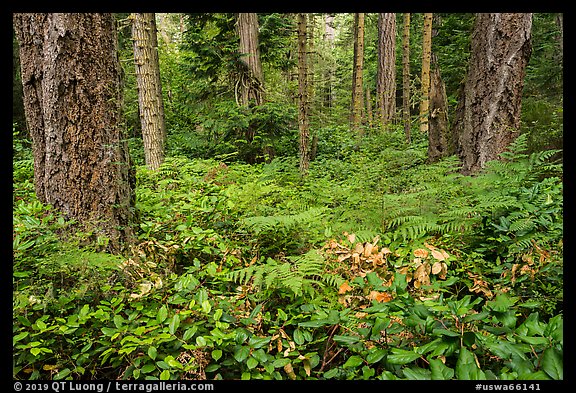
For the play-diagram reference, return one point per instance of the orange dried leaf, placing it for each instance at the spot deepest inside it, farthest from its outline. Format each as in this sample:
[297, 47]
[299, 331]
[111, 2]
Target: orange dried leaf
[381, 297]
[421, 253]
[345, 287]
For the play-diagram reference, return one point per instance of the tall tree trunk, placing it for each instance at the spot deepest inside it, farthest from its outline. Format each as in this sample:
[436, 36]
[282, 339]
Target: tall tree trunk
[426, 53]
[251, 82]
[149, 85]
[386, 77]
[406, 77]
[488, 117]
[357, 83]
[438, 140]
[311, 57]
[560, 24]
[72, 97]
[369, 112]
[303, 104]
[438, 135]
[329, 37]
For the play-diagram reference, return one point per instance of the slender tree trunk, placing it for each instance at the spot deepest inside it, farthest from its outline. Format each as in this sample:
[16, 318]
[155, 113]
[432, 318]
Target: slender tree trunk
[329, 37]
[488, 116]
[311, 57]
[560, 24]
[386, 77]
[426, 53]
[438, 140]
[438, 133]
[369, 112]
[303, 104]
[357, 87]
[406, 77]
[251, 82]
[72, 96]
[150, 101]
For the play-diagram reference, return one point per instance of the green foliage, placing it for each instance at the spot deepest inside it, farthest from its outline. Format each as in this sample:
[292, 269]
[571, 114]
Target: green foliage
[299, 276]
[230, 276]
[21, 146]
[543, 122]
[282, 233]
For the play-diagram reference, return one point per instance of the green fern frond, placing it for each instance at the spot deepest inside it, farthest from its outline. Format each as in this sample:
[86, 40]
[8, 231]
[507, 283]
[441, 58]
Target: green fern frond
[259, 224]
[522, 225]
[298, 275]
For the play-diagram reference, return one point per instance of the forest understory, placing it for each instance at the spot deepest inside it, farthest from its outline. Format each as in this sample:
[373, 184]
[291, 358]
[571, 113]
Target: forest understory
[365, 260]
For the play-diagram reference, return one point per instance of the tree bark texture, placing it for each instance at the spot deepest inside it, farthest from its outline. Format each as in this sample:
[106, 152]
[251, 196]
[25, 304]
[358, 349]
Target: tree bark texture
[438, 139]
[386, 77]
[72, 97]
[303, 104]
[357, 87]
[426, 53]
[250, 85]
[406, 76]
[150, 101]
[488, 116]
[560, 24]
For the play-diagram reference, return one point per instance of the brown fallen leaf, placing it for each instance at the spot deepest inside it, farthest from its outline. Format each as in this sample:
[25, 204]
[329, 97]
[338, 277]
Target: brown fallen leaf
[368, 249]
[436, 267]
[290, 371]
[351, 237]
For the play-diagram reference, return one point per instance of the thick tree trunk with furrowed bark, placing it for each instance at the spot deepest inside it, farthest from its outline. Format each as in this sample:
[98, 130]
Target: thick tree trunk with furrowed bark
[488, 116]
[72, 96]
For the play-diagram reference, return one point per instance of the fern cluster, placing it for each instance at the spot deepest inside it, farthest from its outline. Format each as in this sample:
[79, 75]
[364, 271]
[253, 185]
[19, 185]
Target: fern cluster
[283, 233]
[520, 196]
[295, 276]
